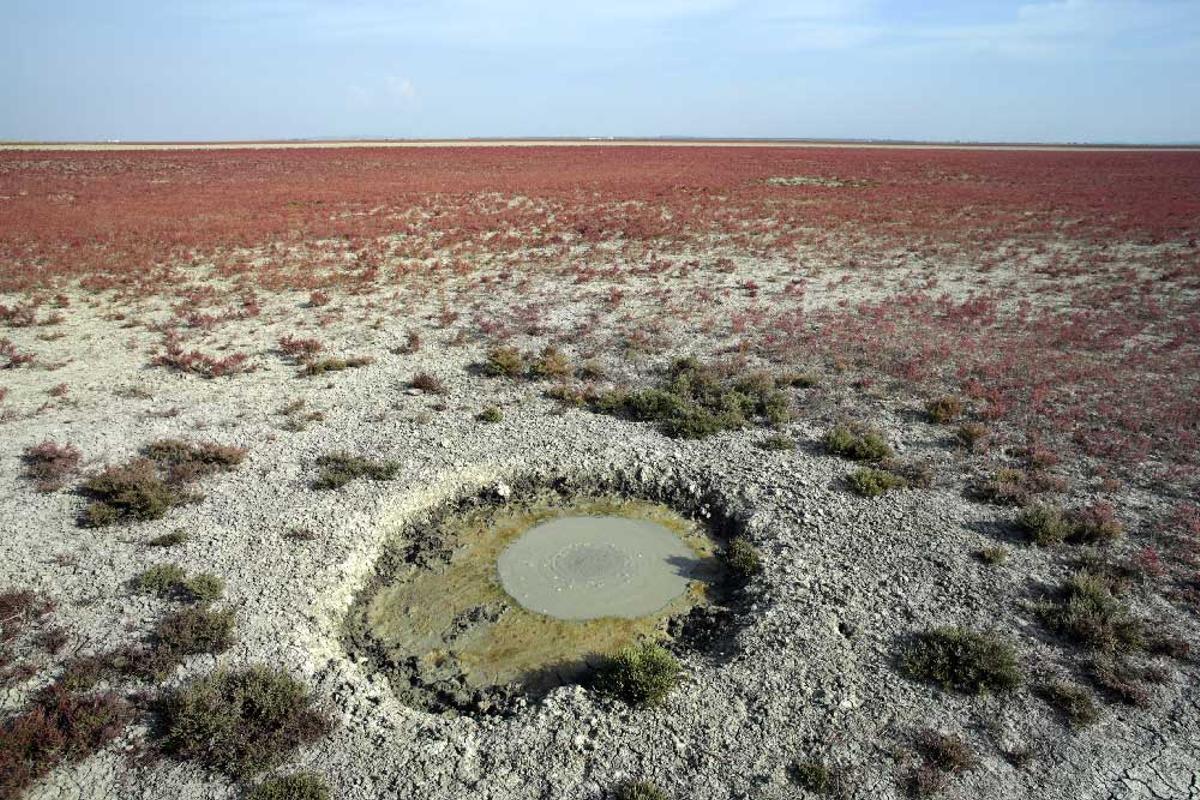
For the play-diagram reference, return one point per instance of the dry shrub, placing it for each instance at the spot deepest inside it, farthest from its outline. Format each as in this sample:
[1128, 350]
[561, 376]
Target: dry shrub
[49, 464]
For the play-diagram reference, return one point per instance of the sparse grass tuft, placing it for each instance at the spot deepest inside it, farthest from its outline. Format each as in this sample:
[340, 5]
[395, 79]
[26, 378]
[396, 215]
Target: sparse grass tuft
[335, 364]
[1121, 680]
[1088, 613]
[552, 364]
[187, 461]
[778, 442]
[170, 580]
[820, 778]
[640, 675]
[971, 435]
[129, 491]
[639, 790]
[961, 659]
[742, 559]
[339, 469]
[169, 539]
[1096, 524]
[694, 401]
[857, 442]
[504, 362]
[992, 556]
[430, 384]
[1044, 525]
[944, 410]
[1074, 702]
[870, 482]
[300, 786]
[242, 721]
[49, 464]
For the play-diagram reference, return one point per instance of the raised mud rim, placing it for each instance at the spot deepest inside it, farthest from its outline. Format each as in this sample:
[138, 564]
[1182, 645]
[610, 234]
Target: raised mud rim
[708, 631]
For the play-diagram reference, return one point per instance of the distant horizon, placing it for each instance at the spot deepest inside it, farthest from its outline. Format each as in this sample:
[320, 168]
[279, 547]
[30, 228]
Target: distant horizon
[601, 140]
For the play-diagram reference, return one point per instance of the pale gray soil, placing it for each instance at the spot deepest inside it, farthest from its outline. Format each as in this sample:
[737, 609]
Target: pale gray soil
[811, 672]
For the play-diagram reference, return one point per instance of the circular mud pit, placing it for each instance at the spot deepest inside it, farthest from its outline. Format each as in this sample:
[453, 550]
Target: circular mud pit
[485, 602]
[580, 568]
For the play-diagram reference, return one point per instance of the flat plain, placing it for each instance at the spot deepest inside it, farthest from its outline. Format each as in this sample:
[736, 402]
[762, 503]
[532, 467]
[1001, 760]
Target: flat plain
[949, 398]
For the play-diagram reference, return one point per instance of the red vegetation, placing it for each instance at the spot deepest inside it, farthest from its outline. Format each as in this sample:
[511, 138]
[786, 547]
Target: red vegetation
[116, 218]
[49, 464]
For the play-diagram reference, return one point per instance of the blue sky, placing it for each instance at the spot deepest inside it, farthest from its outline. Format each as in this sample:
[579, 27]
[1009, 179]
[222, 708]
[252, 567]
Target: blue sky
[1043, 70]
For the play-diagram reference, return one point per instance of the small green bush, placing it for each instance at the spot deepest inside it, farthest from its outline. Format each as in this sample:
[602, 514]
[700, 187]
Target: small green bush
[944, 410]
[491, 415]
[161, 579]
[1088, 613]
[858, 443]
[186, 461]
[551, 364]
[818, 777]
[971, 435]
[301, 786]
[240, 722]
[870, 482]
[340, 468]
[641, 675]
[335, 364]
[169, 539]
[960, 659]
[779, 443]
[1044, 525]
[693, 401]
[947, 753]
[504, 362]
[742, 560]
[188, 632]
[639, 790]
[1074, 702]
[129, 491]
[203, 588]
[992, 556]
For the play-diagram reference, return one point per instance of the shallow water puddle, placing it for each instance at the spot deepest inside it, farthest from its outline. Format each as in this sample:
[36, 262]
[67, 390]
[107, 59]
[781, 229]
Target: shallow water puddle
[531, 592]
[597, 566]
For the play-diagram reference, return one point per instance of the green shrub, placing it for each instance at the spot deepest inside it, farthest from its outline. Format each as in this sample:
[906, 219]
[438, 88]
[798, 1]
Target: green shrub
[693, 401]
[639, 790]
[163, 580]
[947, 753]
[203, 588]
[504, 362]
[335, 364]
[742, 559]
[641, 675]
[817, 777]
[240, 722]
[960, 659]
[992, 556]
[551, 364]
[301, 786]
[858, 443]
[943, 410]
[1044, 525]
[1074, 702]
[169, 539]
[870, 482]
[170, 580]
[1088, 613]
[1120, 680]
[971, 434]
[188, 632]
[340, 468]
[185, 461]
[778, 442]
[491, 414]
[129, 491]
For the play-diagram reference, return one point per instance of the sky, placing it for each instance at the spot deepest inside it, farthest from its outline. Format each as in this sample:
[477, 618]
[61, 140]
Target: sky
[946, 70]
